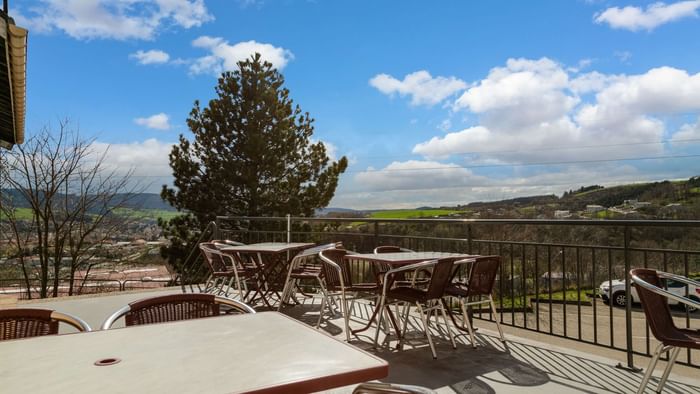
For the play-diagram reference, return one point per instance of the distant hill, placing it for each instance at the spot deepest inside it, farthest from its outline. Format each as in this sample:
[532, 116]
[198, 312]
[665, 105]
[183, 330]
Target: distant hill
[147, 201]
[135, 200]
[326, 211]
[533, 200]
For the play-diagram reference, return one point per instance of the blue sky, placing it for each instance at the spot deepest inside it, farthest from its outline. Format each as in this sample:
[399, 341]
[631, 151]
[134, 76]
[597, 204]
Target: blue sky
[434, 103]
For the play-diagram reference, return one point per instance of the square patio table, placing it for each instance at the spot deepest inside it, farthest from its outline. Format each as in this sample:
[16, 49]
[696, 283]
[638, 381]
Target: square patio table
[259, 353]
[399, 259]
[404, 258]
[271, 259]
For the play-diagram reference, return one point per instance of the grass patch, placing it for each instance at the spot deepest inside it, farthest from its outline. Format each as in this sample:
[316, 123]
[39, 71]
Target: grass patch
[20, 214]
[412, 213]
[523, 301]
[147, 213]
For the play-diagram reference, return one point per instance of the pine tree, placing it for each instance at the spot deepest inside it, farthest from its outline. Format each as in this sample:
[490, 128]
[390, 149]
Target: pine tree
[251, 155]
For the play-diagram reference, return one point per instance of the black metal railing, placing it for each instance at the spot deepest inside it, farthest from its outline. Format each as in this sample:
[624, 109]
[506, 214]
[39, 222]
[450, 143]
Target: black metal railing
[551, 269]
[17, 287]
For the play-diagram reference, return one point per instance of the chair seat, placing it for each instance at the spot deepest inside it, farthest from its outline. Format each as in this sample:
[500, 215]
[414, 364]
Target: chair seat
[306, 272]
[408, 294]
[363, 287]
[457, 290]
[684, 337]
[224, 274]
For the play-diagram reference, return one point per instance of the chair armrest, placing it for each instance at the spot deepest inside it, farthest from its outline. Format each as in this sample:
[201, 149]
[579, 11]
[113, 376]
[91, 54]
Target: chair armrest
[411, 267]
[69, 319]
[678, 278]
[665, 293]
[240, 306]
[114, 317]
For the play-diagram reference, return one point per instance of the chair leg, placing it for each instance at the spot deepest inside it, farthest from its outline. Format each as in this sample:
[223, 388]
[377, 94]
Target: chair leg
[320, 312]
[426, 328]
[406, 314]
[467, 323]
[228, 286]
[673, 355]
[208, 284]
[447, 325]
[495, 317]
[650, 368]
[380, 317]
[285, 296]
[346, 316]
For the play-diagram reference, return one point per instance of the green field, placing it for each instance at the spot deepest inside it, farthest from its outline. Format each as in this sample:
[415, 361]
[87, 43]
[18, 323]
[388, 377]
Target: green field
[21, 214]
[411, 213]
[147, 213]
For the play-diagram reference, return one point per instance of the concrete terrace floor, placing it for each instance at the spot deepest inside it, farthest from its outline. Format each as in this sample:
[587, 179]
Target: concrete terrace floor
[526, 363]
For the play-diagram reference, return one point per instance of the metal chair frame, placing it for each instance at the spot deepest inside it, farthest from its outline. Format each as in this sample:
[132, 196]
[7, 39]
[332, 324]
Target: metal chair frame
[60, 317]
[662, 348]
[232, 304]
[212, 283]
[294, 276]
[327, 296]
[422, 312]
[482, 299]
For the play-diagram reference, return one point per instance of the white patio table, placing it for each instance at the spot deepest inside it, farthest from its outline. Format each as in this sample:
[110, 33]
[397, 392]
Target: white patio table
[262, 353]
[399, 259]
[271, 259]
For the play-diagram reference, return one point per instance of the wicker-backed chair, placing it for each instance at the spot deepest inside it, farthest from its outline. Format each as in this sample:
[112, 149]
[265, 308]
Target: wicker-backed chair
[304, 267]
[477, 290]
[337, 281]
[26, 323]
[221, 272]
[175, 307]
[380, 269]
[655, 304]
[425, 299]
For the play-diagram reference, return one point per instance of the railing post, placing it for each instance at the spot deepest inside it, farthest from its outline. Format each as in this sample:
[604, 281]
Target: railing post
[289, 228]
[628, 305]
[376, 234]
[469, 238]
[216, 233]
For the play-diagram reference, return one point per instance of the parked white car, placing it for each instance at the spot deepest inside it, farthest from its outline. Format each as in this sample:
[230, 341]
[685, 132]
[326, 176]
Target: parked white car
[615, 291]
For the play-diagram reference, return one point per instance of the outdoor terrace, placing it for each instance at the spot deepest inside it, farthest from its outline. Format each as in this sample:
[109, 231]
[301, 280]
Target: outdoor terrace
[529, 362]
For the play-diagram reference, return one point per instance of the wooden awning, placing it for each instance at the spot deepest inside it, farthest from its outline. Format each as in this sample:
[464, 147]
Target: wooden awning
[13, 81]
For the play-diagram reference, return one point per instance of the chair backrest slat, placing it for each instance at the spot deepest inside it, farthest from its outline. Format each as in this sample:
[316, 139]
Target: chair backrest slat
[330, 274]
[655, 305]
[25, 323]
[171, 308]
[482, 275]
[440, 278]
[213, 257]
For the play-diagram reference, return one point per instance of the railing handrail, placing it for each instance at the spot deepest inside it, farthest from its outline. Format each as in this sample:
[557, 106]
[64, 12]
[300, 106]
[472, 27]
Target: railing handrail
[541, 222]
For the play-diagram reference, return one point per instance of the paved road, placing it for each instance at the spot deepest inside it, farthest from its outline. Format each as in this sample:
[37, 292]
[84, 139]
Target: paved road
[597, 326]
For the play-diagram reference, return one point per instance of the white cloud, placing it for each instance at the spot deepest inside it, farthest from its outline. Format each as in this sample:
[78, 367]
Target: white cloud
[420, 85]
[224, 56]
[591, 82]
[120, 20]
[153, 56]
[687, 132]
[454, 190]
[531, 110]
[656, 14]
[146, 160]
[623, 56]
[159, 121]
[416, 174]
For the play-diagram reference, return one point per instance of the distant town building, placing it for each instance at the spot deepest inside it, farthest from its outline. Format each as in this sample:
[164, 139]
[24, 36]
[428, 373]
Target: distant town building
[594, 208]
[636, 204]
[562, 214]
